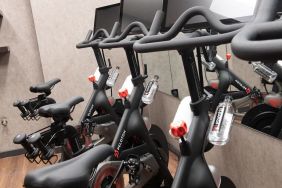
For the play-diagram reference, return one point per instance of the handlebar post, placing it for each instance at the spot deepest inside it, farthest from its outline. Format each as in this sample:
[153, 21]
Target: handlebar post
[132, 62]
[99, 57]
[191, 73]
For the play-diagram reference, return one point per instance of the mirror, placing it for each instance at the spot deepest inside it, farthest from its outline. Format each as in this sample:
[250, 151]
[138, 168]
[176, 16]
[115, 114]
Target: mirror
[168, 65]
[172, 80]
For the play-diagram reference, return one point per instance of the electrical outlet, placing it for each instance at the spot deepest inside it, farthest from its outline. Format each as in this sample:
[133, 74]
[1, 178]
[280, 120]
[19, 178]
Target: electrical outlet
[4, 121]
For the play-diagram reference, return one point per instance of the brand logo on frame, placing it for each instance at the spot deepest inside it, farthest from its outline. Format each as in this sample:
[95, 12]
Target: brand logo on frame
[90, 110]
[117, 150]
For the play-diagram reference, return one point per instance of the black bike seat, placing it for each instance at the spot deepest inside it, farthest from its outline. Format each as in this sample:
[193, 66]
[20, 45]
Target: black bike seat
[44, 87]
[59, 109]
[74, 173]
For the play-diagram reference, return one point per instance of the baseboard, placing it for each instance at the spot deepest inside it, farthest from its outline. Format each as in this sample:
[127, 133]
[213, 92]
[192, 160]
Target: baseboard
[21, 151]
[12, 153]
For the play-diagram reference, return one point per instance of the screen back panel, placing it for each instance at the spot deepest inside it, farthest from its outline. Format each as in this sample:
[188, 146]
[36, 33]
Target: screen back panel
[228, 11]
[105, 17]
[140, 10]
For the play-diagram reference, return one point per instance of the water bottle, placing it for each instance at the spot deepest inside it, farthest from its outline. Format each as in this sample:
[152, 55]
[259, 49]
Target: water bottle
[265, 72]
[150, 90]
[221, 124]
[97, 74]
[113, 75]
[126, 87]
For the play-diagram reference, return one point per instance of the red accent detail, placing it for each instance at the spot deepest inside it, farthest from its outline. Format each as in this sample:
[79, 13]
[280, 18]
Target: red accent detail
[214, 84]
[228, 56]
[178, 129]
[123, 93]
[248, 90]
[105, 172]
[92, 78]
[116, 153]
[275, 103]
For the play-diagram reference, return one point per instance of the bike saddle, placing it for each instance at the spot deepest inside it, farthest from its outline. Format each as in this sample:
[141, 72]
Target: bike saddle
[59, 109]
[44, 87]
[73, 173]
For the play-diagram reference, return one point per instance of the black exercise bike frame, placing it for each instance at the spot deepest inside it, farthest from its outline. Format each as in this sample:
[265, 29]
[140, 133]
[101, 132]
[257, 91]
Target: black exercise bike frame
[132, 122]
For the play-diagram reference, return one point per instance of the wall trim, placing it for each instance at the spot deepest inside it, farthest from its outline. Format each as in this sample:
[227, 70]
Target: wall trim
[12, 153]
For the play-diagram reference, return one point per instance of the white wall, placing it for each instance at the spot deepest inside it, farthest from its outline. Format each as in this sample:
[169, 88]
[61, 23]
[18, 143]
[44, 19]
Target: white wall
[18, 70]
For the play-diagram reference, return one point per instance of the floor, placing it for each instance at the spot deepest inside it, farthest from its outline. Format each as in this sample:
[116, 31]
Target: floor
[13, 170]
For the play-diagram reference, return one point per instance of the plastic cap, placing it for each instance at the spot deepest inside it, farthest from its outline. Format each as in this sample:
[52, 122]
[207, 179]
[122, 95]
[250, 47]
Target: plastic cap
[178, 129]
[228, 56]
[92, 78]
[123, 93]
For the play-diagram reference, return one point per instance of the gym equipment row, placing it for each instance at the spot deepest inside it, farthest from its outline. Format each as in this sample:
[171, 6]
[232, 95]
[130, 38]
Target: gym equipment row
[128, 144]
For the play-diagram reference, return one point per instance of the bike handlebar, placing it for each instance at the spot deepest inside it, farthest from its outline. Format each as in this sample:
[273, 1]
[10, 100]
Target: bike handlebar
[149, 43]
[99, 35]
[123, 40]
[167, 40]
[260, 41]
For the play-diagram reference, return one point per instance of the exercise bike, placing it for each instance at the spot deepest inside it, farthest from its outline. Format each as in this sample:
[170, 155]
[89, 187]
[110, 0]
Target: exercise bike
[29, 108]
[101, 116]
[193, 170]
[145, 161]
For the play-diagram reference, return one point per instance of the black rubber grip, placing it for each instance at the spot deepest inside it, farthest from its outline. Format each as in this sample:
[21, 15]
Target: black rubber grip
[94, 40]
[157, 23]
[260, 41]
[121, 41]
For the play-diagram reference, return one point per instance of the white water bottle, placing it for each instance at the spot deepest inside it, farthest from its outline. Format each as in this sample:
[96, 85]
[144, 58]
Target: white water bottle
[221, 124]
[113, 75]
[150, 90]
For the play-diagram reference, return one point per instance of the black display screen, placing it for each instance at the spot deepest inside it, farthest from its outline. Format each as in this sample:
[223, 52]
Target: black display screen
[105, 17]
[139, 10]
[228, 11]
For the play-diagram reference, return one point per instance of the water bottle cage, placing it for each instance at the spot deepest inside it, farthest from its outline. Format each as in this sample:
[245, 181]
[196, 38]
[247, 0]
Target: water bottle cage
[39, 157]
[34, 117]
[51, 159]
[34, 159]
[29, 108]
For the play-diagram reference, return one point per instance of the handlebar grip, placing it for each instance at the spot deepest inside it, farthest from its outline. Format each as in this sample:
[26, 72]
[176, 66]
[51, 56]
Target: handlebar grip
[117, 42]
[259, 42]
[115, 30]
[93, 42]
[88, 35]
[157, 23]
[21, 108]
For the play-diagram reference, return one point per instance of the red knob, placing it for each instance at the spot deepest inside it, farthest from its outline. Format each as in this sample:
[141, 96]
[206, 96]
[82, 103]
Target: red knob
[92, 78]
[228, 56]
[123, 93]
[178, 129]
